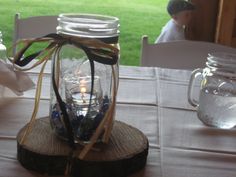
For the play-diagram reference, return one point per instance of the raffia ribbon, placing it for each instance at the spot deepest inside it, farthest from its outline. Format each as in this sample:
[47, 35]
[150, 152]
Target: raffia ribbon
[95, 50]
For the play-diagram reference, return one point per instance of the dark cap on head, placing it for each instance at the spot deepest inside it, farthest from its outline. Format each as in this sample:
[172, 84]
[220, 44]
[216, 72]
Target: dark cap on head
[176, 6]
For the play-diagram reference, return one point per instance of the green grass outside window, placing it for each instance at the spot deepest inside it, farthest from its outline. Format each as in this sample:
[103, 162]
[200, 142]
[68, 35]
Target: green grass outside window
[137, 17]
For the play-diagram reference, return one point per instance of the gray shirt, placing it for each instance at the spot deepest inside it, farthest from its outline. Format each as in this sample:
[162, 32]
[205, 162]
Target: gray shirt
[171, 32]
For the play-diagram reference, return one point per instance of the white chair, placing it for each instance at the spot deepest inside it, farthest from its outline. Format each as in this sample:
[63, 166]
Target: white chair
[179, 54]
[32, 27]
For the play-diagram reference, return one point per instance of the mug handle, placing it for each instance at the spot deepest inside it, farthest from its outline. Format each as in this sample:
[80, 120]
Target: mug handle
[196, 73]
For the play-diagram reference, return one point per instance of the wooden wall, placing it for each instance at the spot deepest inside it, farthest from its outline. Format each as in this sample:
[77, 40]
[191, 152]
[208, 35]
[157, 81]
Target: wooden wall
[213, 21]
[204, 20]
[226, 27]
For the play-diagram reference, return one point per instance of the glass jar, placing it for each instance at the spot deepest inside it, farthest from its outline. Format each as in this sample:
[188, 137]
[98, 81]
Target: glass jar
[217, 101]
[86, 91]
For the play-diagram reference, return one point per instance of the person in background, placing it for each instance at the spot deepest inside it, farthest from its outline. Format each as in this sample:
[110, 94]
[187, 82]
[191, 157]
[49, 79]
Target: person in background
[180, 12]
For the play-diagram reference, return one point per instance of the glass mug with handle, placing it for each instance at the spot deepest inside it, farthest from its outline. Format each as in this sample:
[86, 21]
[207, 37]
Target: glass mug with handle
[216, 106]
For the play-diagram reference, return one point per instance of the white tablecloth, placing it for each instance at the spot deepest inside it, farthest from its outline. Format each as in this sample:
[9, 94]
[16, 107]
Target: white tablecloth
[153, 100]
[189, 148]
[136, 105]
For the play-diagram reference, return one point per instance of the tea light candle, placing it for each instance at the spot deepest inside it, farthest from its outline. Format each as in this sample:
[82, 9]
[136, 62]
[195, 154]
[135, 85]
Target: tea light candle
[81, 96]
[78, 95]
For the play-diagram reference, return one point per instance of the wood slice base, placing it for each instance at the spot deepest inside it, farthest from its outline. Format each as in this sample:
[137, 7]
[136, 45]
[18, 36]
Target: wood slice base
[45, 153]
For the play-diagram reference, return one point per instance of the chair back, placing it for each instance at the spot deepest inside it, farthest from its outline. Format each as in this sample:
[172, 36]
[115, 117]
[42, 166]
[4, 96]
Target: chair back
[179, 54]
[32, 27]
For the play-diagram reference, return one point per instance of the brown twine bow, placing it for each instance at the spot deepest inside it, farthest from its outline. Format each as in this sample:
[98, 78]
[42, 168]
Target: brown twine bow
[95, 49]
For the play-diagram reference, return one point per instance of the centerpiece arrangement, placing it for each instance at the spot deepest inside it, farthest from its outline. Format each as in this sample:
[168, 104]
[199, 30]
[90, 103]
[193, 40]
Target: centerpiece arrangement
[84, 82]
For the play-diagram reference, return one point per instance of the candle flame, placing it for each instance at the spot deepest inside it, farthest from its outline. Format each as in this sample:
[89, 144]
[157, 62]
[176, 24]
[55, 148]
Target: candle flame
[82, 89]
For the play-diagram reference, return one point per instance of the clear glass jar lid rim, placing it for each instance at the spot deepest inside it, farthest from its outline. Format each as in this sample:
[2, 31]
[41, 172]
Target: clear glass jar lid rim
[75, 17]
[222, 59]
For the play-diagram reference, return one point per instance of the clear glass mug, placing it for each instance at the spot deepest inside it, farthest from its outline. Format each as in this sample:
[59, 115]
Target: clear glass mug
[216, 106]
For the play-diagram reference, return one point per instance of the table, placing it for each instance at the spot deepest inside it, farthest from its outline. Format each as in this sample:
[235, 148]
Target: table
[153, 100]
[189, 148]
[137, 108]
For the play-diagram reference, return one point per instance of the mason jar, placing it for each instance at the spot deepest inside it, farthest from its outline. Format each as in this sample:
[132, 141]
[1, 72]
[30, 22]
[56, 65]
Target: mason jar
[87, 87]
[216, 106]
